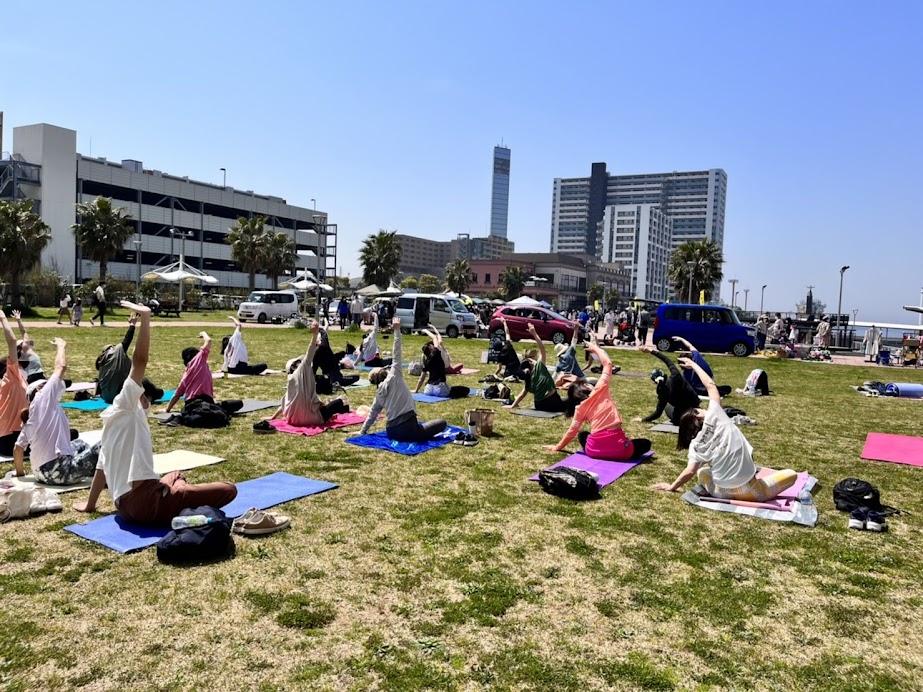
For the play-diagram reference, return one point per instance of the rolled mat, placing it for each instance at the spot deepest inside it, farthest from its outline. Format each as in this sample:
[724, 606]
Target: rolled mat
[380, 440]
[905, 390]
[608, 471]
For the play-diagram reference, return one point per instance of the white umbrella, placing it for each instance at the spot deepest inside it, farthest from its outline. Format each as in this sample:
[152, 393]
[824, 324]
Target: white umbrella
[180, 271]
[304, 285]
[525, 301]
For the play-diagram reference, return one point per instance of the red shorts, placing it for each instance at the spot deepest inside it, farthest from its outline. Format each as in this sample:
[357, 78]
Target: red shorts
[610, 445]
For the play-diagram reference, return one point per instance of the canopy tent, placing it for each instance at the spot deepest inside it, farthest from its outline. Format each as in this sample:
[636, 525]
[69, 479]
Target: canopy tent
[305, 285]
[372, 290]
[525, 301]
[179, 272]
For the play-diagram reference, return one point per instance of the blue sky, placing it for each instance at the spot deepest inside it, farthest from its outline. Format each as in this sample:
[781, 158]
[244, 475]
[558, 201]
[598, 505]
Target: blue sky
[386, 114]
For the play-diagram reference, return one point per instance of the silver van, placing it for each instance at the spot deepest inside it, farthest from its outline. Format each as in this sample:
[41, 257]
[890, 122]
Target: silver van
[263, 306]
[446, 313]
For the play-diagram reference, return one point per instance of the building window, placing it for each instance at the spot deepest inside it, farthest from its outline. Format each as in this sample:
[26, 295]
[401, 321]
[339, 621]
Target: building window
[487, 279]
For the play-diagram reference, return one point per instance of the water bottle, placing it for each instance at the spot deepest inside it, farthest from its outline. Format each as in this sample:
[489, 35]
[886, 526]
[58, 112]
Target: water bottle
[805, 497]
[804, 510]
[190, 521]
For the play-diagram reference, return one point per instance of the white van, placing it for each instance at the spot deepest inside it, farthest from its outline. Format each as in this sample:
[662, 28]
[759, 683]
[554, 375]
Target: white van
[263, 306]
[446, 313]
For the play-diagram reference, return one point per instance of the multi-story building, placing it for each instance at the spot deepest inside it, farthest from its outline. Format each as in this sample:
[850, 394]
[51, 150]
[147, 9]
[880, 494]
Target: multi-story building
[500, 192]
[639, 237]
[171, 215]
[425, 256]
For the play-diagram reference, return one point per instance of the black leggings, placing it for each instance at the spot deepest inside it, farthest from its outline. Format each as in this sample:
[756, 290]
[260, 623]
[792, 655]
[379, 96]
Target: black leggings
[247, 369]
[333, 407]
[378, 362]
[553, 403]
[7, 442]
[641, 444]
[411, 430]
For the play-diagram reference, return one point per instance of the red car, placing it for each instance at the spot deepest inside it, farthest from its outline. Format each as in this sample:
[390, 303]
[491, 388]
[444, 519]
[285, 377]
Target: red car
[550, 325]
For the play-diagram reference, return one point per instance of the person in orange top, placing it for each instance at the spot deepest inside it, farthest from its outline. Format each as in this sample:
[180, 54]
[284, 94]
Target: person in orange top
[12, 392]
[593, 404]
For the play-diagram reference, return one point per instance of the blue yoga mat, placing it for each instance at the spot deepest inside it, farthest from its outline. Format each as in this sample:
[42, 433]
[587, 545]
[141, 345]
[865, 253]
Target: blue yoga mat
[908, 390]
[115, 533]
[427, 399]
[380, 440]
[100, 405]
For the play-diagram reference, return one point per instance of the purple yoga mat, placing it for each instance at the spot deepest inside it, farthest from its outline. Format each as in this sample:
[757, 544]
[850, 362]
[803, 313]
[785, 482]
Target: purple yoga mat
[608, 471]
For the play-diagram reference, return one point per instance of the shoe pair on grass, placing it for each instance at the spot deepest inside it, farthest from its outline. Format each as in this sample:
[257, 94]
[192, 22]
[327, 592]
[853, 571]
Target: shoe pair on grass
[465, 439]
[862, 520]
[256, 522]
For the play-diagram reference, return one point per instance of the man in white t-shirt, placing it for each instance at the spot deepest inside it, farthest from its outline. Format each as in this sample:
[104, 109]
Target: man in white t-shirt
[126, 458]
[55, 458]
[720, 455]
[99, 300]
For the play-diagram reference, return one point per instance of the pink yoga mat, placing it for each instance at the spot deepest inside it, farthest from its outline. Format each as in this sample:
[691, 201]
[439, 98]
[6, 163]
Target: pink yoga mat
[898, 449]
[783, 502]
[608, 471]
[340, 420]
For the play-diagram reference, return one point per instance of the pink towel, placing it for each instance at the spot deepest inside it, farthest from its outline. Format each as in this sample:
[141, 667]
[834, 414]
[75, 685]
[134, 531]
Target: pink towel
[340, 420]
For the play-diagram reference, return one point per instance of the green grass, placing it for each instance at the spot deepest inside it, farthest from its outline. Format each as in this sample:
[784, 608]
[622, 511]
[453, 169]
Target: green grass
[450, 570]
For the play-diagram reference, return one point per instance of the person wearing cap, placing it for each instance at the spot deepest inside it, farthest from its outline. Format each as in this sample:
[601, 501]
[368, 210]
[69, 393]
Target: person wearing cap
[301, 406]
[675, 395]
[12, 392]
[56, 457]
[113, 365]
[567, 357]
[235, 353]
[126, 457]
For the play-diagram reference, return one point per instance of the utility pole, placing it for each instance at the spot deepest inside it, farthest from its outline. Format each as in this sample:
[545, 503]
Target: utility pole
[746, 298]
[733, 283]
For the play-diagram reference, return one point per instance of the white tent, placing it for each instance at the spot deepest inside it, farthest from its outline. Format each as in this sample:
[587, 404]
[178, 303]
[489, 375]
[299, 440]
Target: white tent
[525, 302]
[178, 272]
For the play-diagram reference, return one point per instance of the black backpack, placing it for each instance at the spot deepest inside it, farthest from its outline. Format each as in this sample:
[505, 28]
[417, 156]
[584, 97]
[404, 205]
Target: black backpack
[323, 385]
[210, 541]
[569, 483]
[854, 493]
[201, 413]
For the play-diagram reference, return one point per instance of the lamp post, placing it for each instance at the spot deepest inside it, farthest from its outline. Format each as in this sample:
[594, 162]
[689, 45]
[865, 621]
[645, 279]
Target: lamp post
[762, 295]
[182, 259]
[746, 298]
[839, 308]
[690, 265]
[734, 283]
[320, 222]
[224, 172]
[137, 244]
[313, 204]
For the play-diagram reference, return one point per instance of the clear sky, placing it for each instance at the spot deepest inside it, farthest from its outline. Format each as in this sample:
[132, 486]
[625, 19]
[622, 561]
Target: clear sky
[386, 114]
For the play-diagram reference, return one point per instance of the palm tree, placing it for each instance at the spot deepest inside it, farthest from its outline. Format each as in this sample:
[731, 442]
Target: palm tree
[246, 241]
[458, 276]
[102, 231]
[699, 261]
[23, 236]
[380, 257]
[513, 280]
[595, 292]
[279, 255]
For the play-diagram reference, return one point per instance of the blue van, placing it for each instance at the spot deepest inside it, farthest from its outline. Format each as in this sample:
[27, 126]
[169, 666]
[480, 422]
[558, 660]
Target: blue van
[707, 327]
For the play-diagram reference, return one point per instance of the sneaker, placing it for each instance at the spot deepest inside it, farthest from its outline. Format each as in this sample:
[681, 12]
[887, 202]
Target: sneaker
[857, 519]
[256, 522]
[263, 428]
[43, 500]
[53, 503]
[465, 439]
[875, 522]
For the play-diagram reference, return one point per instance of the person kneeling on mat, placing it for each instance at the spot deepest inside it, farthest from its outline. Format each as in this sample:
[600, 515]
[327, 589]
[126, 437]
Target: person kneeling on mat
[720, 455]
[394, 396]
[537, 379]
[235, 353]
[126, 458]
[588, 403]
[197, 383]
[434, 368]
[508, 362]
[301, 406]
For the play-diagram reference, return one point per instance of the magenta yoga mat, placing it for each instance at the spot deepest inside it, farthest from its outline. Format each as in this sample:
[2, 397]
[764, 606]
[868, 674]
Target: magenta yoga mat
[608, 471]
[898, 449]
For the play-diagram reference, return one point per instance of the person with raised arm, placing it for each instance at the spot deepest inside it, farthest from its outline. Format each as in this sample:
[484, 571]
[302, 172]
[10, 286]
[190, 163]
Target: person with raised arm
[507, 360]
[197, 380]
[675, 395]
[235, 353]
[567, 358]
[113, 365]
[439, 343]
[126, 458]
[689, 374]
[538, 380]
[12, 392]
[719, 454]
[29, 360]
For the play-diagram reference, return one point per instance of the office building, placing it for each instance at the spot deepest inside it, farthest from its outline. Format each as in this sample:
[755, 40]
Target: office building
[500, 192]
[425, 256]
[170, 214]
[639, 237]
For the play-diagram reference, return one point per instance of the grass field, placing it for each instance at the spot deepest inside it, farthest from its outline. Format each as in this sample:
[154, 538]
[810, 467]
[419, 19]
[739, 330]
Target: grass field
[450, 571]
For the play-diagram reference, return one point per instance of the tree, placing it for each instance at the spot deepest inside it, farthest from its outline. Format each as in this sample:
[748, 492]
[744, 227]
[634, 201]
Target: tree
[429, 284]
[594, 293]
[458, 276]
[23, 236]
[246, 241]
[341, 282]
[410, 282]
[612, 299]
[706, 273]
[102, 231]
[279, 255]
[512, 280]
[380, 257]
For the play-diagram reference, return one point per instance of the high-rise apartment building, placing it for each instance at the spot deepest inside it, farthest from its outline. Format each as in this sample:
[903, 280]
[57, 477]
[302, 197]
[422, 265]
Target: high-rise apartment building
[639, 237]
[500, 192]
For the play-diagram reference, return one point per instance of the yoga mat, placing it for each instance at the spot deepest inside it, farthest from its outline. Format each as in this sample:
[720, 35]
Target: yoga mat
[905, 390]
[234, 375]
[251, 405]
[622, 373]
[340, 420]
[183, 460]
[100, 405]
[897, 449]
[464, 371]
[758, 509]
[532, 413]
[81, 387]
[608, 471]
[427, 399]
[366, 367]
[380, 440]
[666, 428]
[359, 384]
[262, 493]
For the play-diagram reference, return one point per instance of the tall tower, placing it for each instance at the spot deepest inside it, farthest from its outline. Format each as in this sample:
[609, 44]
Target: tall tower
[500, 192]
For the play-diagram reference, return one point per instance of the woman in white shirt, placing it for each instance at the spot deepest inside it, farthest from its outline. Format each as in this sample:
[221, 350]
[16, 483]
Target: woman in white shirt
[235, 353]
[719, 454]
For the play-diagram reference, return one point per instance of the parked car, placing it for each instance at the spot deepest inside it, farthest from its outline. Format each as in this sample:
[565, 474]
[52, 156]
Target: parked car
[446, 313]
[549, 325]
[263, 306]
[707, 327]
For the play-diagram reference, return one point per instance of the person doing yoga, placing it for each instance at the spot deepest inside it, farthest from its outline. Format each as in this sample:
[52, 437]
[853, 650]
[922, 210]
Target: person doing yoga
[593, 404]
[567, 357]
[394, 396]
[235, 353]
[508, 362]
[113, 365]
[126, 457]
[301, 406]
[29, 360]
[368, 353]
[328, 362]
[693, 379]
[719, 454]
[538, 380]
[438, 342]
[675, 395]
[12, 391]
[434, 368]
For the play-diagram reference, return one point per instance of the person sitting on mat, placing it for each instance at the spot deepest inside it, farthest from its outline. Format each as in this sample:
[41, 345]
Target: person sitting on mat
[438, 342]
[507, 360]
[113, 365]
[328, 363]
[57, 457]
[126, 458]
[367, 353]
[197, 383]
[12, 392]
[29, 360]
[538, 380]
[719, 454]
[394, 396]
[690, 376]
[567, 357]
[235, 353]
[675, 395]
[434, 368]
[301, 406]
[588, 403]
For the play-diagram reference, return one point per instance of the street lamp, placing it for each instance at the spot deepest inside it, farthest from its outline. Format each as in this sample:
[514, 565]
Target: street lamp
[313, 204]
[224, 171]
[762, 294]
[182, 258]
[839, 308]
[320, 223]
[137, 244]
[690, 265]
[734, 283]
[746, 298]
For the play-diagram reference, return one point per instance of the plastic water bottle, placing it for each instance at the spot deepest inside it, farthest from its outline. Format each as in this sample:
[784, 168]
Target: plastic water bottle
[804, 510]
[805, 497]
[189, 521]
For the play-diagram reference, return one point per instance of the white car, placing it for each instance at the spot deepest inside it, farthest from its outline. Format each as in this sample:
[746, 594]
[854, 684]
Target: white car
[263, 306]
